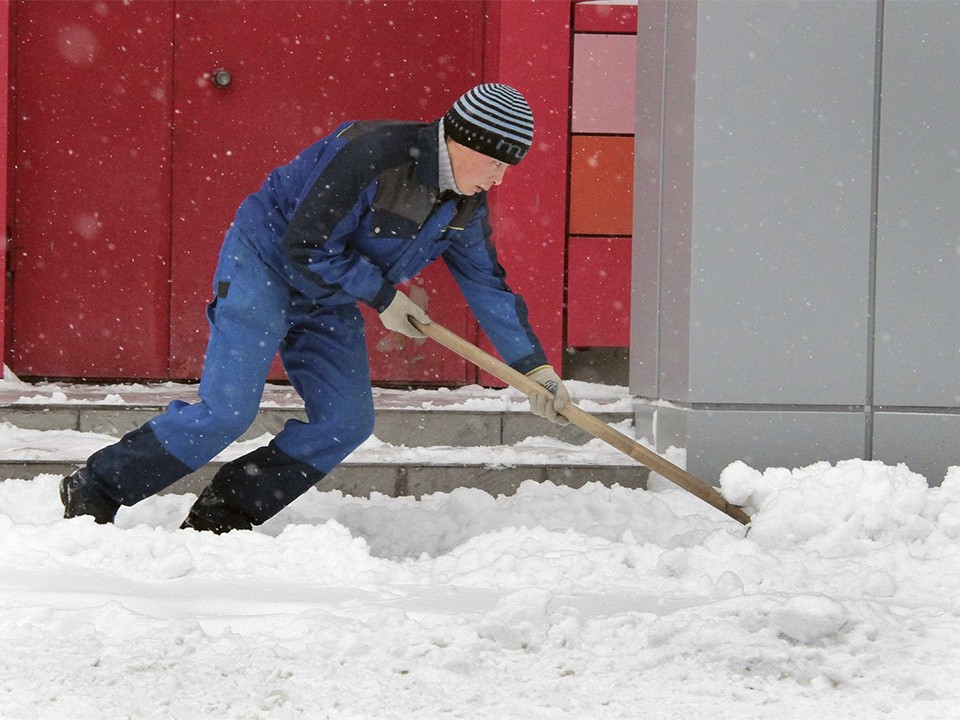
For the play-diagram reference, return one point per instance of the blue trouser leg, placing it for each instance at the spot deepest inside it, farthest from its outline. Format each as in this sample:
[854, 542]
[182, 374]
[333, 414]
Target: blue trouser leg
[247, 321]
[325, 358]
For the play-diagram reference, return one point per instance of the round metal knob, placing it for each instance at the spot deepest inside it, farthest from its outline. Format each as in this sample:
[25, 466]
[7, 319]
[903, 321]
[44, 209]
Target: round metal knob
[221, 78]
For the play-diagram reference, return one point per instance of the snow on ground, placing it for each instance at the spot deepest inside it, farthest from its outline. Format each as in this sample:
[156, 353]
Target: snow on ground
[841, 601]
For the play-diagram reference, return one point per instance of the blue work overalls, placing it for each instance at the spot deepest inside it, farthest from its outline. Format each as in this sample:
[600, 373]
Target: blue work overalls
[316, 239]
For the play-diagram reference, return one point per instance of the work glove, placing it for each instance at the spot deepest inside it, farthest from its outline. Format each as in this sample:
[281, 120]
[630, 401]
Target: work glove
[542, 404]
[394, 316]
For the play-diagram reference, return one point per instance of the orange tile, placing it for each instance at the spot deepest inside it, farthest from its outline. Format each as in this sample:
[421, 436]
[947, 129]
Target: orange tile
[601, 185]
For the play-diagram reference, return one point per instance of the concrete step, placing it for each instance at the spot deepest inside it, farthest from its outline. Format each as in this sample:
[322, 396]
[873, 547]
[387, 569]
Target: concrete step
[424, 440]
[393, 479]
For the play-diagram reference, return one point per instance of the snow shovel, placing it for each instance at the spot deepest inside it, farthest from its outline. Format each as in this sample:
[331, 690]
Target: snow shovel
[582, 419]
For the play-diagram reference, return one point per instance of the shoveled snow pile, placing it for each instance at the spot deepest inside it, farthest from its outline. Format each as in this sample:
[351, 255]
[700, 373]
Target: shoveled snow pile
[842, 601]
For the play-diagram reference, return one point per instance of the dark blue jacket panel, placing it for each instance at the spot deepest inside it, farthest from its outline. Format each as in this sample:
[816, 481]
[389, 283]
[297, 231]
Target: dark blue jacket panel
[351, 230]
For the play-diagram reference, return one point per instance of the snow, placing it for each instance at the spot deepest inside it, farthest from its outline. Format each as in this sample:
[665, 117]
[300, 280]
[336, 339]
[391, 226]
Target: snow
[841, 600]
[23, 444]
[588, 604]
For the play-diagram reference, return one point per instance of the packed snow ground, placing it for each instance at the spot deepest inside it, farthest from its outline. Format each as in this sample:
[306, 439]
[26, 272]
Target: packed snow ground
[842, 601]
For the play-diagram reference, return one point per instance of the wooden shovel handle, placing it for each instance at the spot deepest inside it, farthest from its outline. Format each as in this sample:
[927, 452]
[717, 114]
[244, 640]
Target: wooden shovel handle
[582, 419]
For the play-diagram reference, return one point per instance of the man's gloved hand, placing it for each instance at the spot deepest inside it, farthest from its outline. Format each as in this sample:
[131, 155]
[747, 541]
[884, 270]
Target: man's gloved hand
[543, 405]
[394, 316]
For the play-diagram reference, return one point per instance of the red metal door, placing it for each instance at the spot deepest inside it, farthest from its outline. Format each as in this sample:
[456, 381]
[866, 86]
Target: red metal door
[91, 187]
[130, 162]
[297, 69]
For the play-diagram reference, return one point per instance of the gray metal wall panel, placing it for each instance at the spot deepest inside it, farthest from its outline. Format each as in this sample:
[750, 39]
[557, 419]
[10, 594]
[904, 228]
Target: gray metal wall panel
[677, 202]
[767, 245]
[645, 278]
[926, 443]
[761, 439]
[781, 219]
[918, 245]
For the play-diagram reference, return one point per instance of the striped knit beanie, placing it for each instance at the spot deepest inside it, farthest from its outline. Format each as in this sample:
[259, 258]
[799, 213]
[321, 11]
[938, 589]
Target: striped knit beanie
[492, 119]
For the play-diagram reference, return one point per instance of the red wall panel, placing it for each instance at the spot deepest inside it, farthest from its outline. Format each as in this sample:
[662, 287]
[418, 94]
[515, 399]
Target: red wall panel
[601, 175]
[528, 46]
[299, 69]
[91, 238]
[605, 17]
[598, 277]
[130, 163]
[4, 121]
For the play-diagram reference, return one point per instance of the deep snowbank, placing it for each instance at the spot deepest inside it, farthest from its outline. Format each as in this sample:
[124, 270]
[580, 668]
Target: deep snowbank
[841, 602]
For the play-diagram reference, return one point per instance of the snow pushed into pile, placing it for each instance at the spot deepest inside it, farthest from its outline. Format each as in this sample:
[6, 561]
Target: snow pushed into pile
[841, 601]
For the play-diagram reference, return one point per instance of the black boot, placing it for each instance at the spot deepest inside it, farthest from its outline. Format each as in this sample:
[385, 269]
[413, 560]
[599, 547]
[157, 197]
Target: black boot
[211, 513]
[80, 496]
[250, 490]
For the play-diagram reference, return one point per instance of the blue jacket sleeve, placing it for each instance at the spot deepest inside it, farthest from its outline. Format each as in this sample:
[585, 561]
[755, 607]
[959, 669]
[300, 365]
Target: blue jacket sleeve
[472, 260]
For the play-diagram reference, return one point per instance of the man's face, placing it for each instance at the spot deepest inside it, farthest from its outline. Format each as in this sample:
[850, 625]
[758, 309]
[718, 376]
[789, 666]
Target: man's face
[474, 171]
